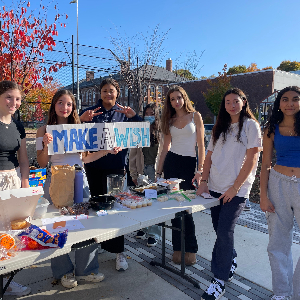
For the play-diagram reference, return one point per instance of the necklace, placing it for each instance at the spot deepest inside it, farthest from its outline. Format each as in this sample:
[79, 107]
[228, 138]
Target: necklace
[180, 118]
[291, 132]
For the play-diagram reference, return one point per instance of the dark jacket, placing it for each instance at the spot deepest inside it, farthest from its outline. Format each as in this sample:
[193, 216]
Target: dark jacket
[111, 161]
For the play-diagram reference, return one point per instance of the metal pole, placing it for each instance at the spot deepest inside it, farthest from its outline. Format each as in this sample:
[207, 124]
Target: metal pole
[73, 75]
[78, 92]
[128, 70]
[1, 75]
[138, 84]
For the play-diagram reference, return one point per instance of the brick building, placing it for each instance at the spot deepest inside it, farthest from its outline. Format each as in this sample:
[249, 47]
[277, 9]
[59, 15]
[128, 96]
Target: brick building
[152, 80]
[256, 85]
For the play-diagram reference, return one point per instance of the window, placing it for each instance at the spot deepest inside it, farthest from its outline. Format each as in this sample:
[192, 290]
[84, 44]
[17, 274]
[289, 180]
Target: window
[90, 98]
[152, 91]
[159, 92]
[126, 91]
[94, 97]
[145, 90]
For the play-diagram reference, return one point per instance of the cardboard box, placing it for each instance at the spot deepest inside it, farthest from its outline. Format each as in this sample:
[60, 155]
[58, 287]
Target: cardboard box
[18, 204]
[37, 177]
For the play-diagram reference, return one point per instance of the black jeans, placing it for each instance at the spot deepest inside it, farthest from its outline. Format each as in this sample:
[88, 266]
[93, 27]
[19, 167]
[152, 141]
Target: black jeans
[98, 186]
[182, 167]
[224, 218]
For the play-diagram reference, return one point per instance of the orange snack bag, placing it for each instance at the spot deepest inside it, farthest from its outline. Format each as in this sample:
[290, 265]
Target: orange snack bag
[7, 241]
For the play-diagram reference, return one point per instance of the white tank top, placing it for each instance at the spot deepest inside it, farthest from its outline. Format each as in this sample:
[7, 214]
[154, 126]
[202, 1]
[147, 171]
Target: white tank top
[184, 140]
[66, 159]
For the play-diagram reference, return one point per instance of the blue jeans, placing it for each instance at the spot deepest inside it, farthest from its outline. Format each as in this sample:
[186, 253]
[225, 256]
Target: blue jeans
[224, 218]
[150, 171]
[153, 231]
[86, 262]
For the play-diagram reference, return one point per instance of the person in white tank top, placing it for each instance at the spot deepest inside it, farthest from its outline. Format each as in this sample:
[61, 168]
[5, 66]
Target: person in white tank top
[183, 129]
[63, 111]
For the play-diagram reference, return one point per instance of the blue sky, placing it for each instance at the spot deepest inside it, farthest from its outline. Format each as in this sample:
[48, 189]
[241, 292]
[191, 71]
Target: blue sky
[232, 31]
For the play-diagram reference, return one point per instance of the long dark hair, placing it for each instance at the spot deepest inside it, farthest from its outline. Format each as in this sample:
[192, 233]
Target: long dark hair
[169, 111]
[224, 120]
[277, 115]
[52, 117]
[155, 129]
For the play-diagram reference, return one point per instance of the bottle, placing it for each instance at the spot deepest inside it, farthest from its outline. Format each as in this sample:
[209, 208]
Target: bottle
[78, 185]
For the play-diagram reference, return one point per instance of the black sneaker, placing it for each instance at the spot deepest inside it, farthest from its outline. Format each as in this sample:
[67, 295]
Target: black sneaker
[215, 291]
[232, 270]
[151, 242]
[141, 234]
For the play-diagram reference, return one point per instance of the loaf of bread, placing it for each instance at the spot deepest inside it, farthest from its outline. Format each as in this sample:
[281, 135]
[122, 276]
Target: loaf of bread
[18, 224]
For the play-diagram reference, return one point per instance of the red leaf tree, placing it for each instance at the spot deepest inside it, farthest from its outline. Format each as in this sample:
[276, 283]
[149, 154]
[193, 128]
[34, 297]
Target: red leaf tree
[25, 37]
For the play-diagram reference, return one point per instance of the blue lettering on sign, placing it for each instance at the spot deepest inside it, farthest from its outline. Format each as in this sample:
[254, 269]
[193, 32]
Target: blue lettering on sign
[145, 136]
[92, 138]
[81, 140]
[74, 139]
[61, 135]
[121, 138]
[135, 131]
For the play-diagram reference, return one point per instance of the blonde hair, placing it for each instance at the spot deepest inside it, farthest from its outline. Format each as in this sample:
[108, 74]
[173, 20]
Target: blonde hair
[169, 111]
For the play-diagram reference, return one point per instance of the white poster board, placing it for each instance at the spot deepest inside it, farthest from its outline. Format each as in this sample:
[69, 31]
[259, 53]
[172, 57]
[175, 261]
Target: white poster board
[72, 138]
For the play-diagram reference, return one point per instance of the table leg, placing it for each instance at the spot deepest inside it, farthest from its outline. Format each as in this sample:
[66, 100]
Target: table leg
[182, 245]
[163, 263]
[163, 245]
[1, 287]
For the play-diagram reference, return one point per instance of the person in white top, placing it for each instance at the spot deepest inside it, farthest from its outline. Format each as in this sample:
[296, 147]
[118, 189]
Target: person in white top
[63, 111]
[228, 173]
[183, 129]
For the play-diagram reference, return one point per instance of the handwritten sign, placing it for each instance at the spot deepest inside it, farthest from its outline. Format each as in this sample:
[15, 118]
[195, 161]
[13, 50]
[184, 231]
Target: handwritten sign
[71, 138]
[150, 193]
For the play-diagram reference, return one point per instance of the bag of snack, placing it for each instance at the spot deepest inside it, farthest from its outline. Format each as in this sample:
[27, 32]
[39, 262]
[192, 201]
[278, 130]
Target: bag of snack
[62, 185]
[35, 238]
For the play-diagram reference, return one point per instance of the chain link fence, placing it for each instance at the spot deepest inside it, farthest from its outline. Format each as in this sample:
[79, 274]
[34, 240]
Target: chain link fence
[100, 62]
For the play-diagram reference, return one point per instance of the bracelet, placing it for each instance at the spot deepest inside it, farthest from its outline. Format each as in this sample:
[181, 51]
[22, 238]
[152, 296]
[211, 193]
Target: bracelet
[204, 180]
[199, 172]
[157, 173]
[237, 190]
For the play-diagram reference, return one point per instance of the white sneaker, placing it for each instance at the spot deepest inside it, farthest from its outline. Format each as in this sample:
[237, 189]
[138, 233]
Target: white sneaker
[215, 291]
[68, 281]
[92, 277]
[16, 289]
[121, 262]
[281, 297]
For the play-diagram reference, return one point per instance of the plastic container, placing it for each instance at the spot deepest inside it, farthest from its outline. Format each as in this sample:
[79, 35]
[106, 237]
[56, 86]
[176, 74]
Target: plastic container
[78, 185]
[41, 208]
[115, 184]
